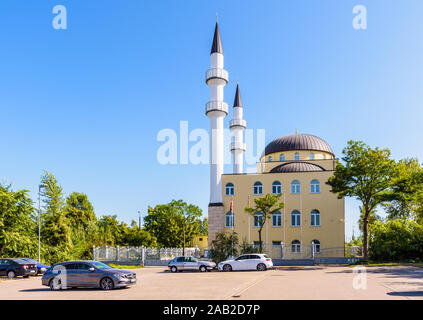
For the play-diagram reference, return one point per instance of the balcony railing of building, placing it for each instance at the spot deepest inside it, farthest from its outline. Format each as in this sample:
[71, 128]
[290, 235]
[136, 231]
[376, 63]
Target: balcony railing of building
[238, 123]
[217, 73]
[238, 146]
[216, 106]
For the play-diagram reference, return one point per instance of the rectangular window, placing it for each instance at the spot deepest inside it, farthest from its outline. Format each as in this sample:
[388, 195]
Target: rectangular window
[276, 220]
[276, 243]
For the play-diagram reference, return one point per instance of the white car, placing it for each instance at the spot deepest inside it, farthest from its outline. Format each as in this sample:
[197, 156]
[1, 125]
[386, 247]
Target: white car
[254, 261]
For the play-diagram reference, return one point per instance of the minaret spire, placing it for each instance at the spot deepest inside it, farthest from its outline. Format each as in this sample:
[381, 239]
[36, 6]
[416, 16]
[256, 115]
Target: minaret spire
[217, 43]
[216, 110]
[237, 126]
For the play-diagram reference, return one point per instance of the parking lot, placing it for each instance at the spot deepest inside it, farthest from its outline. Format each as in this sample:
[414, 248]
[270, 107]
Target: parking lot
[314, 282]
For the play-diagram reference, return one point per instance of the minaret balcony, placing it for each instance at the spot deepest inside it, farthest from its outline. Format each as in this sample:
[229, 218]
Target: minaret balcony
[217, 73]
[238, 146]
[238, 123]
[216, 106]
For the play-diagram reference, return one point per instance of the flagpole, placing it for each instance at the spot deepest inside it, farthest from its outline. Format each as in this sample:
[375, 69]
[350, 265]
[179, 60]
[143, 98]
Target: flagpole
[301, 223]
[249, 240]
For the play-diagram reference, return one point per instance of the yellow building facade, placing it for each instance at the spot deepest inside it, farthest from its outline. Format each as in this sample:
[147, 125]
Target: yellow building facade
[298, 167]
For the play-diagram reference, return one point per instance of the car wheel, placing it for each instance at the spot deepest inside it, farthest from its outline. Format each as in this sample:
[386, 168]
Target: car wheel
[106, 284]
[227, 267]
[54, 286]
[11, 274]
[203, 269]
[174, 269]
[261, 267]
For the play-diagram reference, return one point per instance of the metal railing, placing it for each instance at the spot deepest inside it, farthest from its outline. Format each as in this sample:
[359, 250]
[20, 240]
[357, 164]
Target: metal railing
[216, 106]
[141, 255]
[217, 73]
[238, 122]
[238, 146]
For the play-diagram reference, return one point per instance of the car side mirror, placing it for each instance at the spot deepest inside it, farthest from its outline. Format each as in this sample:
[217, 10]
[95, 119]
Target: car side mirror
[91, 269]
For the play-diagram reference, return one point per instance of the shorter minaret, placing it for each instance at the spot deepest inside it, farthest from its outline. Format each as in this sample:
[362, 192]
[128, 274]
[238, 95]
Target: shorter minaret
[238, 125]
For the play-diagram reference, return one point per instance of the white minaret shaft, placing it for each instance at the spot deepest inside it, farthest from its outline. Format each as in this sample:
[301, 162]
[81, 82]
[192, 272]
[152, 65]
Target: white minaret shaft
[216, 110]
[238, 125]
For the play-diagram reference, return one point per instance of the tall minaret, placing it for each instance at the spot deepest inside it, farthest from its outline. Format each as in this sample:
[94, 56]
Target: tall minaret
[216, 110]
[238, 125]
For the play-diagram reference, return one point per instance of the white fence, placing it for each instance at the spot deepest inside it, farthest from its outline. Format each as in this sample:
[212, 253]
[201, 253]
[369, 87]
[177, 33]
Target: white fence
[308, 252]
[141, 255]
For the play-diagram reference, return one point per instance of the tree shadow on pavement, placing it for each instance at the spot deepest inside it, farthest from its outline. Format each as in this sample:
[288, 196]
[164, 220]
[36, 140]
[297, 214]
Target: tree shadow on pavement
[391, 272]
[406, 293]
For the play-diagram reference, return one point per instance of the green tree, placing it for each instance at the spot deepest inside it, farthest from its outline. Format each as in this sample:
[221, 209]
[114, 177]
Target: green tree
[367, 176]
[18, 236]
[78, 210]
[171, 223]
[205, 226]
[225, 245]
[55, 231]
[266, 206]
[135, 236]
[396, 240]
[407, 191]
[110, 230]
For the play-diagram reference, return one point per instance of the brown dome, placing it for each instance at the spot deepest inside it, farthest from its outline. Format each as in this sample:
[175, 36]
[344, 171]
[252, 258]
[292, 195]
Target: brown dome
[297, 142]
[297, 167]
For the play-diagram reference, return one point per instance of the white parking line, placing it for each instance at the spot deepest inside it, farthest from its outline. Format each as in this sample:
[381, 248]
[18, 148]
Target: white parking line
[238, 292]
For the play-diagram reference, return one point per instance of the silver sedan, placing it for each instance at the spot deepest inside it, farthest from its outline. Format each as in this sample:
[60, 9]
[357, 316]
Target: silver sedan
[190, 263]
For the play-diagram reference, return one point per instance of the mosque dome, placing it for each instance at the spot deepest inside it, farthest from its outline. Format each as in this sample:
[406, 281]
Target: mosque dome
[297, 167]
[298, 142]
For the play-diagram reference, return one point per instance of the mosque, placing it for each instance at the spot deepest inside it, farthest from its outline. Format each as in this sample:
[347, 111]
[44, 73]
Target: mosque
[296, 166]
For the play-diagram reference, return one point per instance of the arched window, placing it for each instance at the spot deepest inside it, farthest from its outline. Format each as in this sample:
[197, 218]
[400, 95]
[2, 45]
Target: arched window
[258, 219]
[295, 246]
[229, 220]
[270, 159]
[276, 187]
[229, 189]
[295, 218]
[282, 157]
[311, 156]
[315, 218]
[297, 156]
[277, 219]
[295, 186]
[316, 245]
[315, 186]
[258, 188]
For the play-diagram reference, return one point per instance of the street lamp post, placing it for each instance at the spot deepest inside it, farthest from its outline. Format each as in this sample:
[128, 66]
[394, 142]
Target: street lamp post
[139, 219]
[39, 221]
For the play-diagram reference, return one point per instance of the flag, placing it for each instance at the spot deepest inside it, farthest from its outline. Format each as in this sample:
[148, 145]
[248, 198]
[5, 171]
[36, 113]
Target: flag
[232, 205]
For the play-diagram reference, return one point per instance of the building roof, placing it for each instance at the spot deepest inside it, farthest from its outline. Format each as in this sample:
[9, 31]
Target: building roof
[297, 142]
[217, 44]
[297, 167]
[237, 101]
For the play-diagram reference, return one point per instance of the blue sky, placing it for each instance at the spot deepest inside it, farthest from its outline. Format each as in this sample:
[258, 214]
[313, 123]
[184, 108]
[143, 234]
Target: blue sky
[87, 103]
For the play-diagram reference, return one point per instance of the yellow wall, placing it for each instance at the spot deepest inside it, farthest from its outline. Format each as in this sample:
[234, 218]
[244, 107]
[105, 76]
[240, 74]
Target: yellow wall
[330, 233]
[321, 158]
[202, 244]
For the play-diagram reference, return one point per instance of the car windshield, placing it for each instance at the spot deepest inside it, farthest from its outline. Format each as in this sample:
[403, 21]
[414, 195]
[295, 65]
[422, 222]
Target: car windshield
[20, 261]
[101, 266]
[31, 261]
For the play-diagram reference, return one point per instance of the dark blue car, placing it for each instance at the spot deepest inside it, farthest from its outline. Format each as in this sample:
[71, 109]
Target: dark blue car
[41, 268]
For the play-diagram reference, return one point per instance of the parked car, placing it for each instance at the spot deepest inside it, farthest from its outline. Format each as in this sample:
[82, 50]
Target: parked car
[17, 267]
[41, 268]
[190, 263]
[256, 261]
[92, 274]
